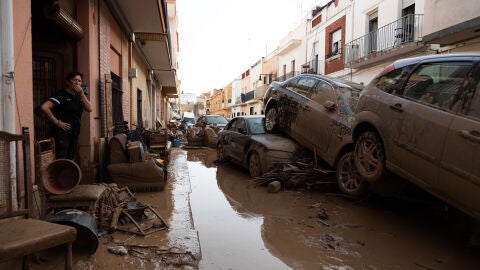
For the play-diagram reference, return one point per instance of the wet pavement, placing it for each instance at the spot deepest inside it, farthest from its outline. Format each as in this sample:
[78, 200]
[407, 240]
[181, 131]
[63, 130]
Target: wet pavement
[236, 224]
[242, 226]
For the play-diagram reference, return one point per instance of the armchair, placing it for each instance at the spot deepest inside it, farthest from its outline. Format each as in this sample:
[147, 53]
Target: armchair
[125, 170]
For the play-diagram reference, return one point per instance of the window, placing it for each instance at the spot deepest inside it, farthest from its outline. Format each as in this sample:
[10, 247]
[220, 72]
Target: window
[336, 46]
[439, 84]
[256, 125]
[293, 67]
[290, 85]
[304, 85]
[389, 82]
[321, 86]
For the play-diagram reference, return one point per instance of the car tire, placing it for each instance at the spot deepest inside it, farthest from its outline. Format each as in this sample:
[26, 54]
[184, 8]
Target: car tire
[271, 120]
[369, 156]
[221, 152]
[254, 165]
[348, 179]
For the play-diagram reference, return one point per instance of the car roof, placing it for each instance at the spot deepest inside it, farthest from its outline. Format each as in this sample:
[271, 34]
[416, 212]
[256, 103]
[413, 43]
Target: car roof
[411, 60]
[332, 80]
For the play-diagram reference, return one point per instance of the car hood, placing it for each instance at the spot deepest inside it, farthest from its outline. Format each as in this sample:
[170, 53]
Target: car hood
[276, 142]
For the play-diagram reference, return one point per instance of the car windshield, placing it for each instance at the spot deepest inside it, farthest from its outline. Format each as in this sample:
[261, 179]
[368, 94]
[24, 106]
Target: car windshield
[256, 125]
[217, 119]
[189, 120]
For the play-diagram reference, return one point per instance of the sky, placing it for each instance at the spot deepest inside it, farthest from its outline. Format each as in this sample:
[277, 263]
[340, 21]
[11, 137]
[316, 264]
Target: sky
[221, 39]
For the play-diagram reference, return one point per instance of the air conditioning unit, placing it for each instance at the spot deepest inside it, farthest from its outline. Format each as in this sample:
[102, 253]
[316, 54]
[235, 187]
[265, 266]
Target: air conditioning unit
[132, 72]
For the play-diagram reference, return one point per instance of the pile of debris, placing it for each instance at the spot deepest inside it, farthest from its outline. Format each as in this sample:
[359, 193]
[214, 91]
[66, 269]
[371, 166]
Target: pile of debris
[300, 173]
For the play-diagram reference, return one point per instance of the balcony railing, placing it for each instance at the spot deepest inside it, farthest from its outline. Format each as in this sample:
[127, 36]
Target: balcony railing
[407, 29]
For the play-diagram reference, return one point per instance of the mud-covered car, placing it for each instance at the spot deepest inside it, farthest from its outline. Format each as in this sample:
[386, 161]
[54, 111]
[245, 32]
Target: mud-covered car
[420, 119]
[317, 111]
[212, 120]
[245, 141]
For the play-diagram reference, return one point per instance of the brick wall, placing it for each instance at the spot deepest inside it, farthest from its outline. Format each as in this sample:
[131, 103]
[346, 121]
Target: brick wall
[335, 63]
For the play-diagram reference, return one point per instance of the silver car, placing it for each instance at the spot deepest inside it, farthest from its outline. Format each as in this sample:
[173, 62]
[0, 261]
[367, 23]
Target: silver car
[420, 119]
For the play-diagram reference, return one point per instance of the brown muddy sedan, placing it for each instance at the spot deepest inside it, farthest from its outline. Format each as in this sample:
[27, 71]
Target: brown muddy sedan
[317, 111]
[244, 141]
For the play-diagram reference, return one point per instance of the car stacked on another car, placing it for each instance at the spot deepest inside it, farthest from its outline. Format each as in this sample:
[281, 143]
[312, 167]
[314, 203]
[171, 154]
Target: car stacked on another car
[245, 141]
[420, 118]
[317, 111]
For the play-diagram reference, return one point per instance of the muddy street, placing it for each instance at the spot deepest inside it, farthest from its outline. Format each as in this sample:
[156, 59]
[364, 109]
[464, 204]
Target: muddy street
[242, 226]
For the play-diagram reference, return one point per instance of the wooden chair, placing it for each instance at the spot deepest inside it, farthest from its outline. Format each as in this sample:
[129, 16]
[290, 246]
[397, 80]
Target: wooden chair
[21, 235]
[84, 197]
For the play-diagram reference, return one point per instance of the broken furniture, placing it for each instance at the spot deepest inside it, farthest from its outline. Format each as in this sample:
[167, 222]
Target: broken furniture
[59, 182]
[144, 175]
[160, 144]
[121, 210]
[195, 136]
[20, 237]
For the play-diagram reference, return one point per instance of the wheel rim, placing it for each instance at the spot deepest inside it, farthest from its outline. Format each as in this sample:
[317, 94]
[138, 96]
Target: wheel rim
[220, 152]
[348, 176]
[254, 165]
[368, 155]
[270, 119]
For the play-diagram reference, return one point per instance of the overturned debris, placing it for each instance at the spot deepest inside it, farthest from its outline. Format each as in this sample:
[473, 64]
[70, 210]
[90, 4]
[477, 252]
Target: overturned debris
[120, 210]
[297, 174]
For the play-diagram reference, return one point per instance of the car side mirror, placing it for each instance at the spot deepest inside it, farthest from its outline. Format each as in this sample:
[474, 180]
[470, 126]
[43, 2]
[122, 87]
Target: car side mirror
[330, 105]
[242, 130]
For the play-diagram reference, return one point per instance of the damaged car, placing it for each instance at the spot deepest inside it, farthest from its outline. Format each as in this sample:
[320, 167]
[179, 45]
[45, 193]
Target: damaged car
[245, 142]
[317, 112]
[420, 119]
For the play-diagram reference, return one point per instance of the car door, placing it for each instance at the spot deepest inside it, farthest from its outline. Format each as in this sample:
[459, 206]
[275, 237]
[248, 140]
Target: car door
[238, 140]
[422, 123]
[459, 179]
[226, 137]
[314, 124]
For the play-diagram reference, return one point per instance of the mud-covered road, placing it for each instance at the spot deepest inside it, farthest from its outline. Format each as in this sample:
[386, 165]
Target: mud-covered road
[242, 226]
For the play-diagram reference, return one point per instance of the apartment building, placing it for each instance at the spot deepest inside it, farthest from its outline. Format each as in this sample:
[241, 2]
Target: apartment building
[123, 48]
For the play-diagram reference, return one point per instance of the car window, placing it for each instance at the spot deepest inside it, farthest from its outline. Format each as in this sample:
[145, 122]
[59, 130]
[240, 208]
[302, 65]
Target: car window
[240, 125]
[290, 85]
[469, 96]
[231, 125]
[320, 87]
[437, 84]
[390, 82]
[304, 85]
[218, 119]
[256, 125]
[347, 99]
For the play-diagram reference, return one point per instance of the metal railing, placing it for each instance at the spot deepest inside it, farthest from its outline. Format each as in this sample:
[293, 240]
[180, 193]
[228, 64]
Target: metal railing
[404, 30]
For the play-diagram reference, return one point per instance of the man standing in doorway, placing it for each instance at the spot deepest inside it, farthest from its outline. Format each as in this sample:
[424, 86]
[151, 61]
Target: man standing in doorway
[65, 109]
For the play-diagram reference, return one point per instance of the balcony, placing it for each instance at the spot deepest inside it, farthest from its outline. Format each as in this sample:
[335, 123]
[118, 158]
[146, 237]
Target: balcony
[399, 37]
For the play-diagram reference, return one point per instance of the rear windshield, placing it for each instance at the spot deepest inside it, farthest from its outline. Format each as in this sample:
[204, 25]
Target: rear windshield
[189, 120]
[216, 120]
[256, 125]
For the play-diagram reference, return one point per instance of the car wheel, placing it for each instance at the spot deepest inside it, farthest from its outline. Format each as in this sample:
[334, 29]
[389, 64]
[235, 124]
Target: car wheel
[271, 120]
[369, 156]
[221, 152]
[254, 165]
[348, 179]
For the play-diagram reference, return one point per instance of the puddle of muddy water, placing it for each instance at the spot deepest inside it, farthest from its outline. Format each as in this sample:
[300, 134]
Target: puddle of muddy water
[227, 239]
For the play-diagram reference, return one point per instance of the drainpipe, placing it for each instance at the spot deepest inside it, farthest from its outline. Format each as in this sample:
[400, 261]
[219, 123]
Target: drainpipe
[7, 90]
[7, 99]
